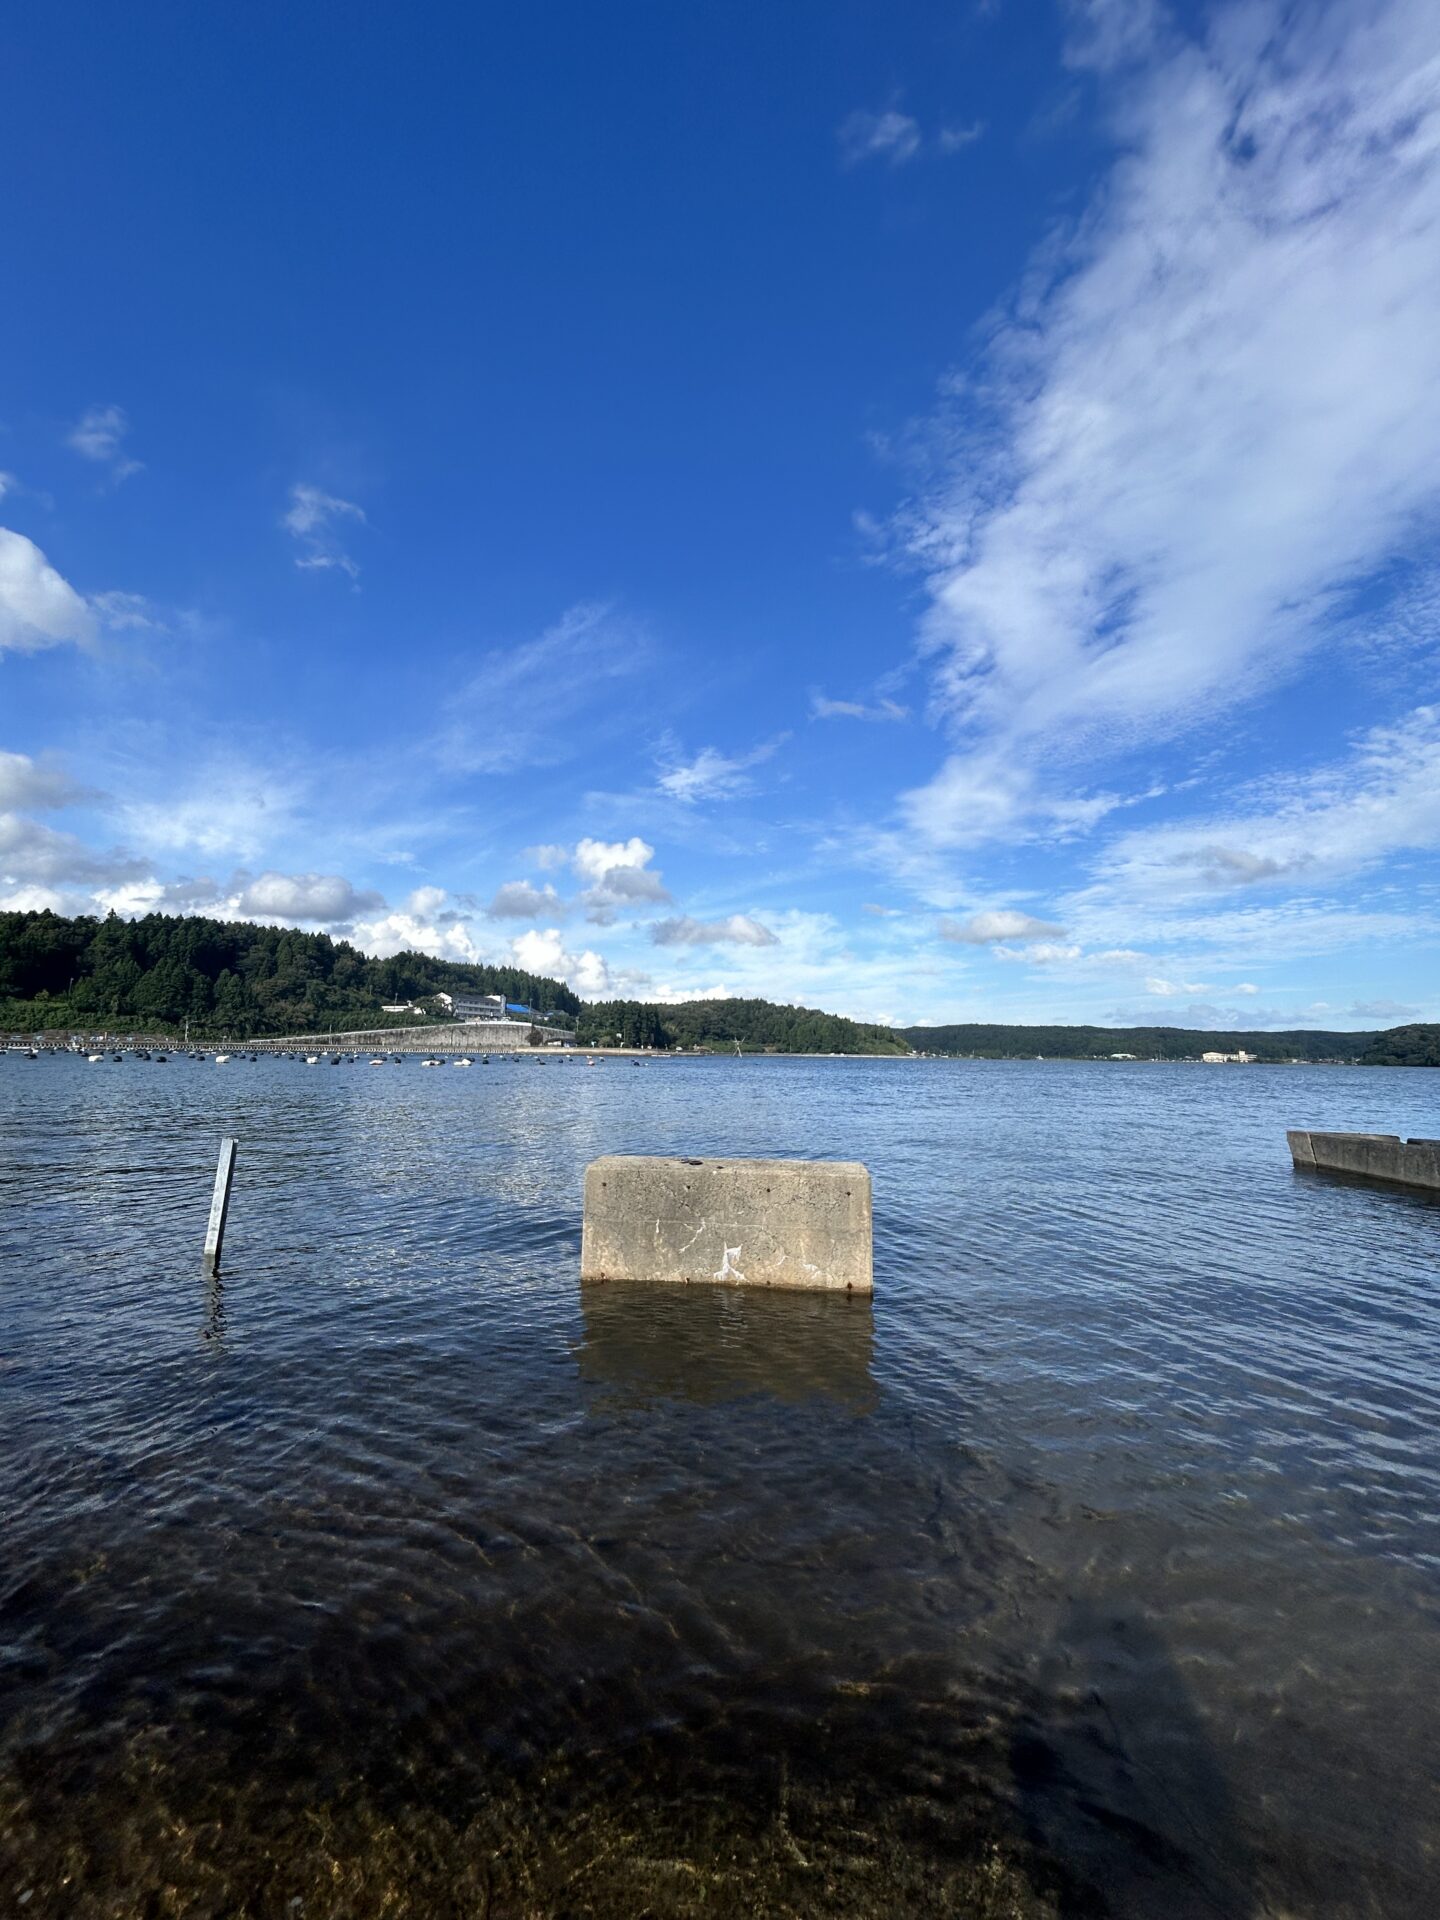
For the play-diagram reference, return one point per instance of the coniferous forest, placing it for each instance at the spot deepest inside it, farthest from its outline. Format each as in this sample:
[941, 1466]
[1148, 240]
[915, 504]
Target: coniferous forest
[224, 977]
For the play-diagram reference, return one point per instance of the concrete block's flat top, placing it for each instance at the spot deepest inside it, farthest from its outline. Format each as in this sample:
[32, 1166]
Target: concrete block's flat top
[786, 1223]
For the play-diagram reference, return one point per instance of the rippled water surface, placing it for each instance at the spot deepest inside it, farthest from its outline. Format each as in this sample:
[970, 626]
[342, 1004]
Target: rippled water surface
[1092, 1570]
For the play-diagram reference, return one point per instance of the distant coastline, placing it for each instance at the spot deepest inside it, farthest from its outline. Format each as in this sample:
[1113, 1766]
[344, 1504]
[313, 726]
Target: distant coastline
[178, 979]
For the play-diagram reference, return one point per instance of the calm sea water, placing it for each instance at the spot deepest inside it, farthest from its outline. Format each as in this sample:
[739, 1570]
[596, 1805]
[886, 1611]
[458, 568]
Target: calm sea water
[1092, 1570]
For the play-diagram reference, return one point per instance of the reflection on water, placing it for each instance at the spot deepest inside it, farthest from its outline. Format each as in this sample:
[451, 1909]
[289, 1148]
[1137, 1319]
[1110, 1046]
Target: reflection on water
[715, 1344]
[1088, 1570]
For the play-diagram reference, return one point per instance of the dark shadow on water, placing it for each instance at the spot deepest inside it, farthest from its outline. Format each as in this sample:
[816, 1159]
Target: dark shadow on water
[710, 1345]
[1118, 1773]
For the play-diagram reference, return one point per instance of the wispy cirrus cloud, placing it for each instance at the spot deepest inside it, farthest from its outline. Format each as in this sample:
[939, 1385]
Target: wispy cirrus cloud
[543, 700]
[1312, 828]
[1215, 408]
[315, 520]
[889, 135]
[822, 708]
[99, 435]
[711, 774]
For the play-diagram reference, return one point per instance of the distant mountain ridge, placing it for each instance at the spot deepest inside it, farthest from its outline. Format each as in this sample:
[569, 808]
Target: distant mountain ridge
[1409, 1046]
[243, 980]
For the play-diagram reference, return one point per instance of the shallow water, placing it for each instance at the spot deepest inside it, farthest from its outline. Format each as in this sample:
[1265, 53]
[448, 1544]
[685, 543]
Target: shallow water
[1092, 1570]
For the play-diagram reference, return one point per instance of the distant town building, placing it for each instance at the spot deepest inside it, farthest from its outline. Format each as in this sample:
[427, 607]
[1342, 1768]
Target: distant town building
[475, 1006]
[1242, 1059]
[398, 1006]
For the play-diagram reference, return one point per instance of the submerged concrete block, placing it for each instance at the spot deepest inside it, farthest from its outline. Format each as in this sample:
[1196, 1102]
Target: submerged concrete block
[1370, 1156]
[757, 1223]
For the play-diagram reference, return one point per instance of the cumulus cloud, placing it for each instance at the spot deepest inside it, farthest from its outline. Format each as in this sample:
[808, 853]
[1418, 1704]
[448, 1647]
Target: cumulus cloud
[713, 775]
[34, 854]
[891, 136]
[519, 900]
[739, 930]
[985, 929]
[594, 859]
[99, 435]
[1383, 1010]
[1167, 989]
[544, 951]
[425, 923]
[323, 899]
[315, 518]
[619, 875]
[36, 783]
[37, 607]
[1215, 409]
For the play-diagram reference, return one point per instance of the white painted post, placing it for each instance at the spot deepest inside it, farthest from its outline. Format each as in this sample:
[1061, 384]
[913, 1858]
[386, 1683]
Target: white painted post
[220, 1203]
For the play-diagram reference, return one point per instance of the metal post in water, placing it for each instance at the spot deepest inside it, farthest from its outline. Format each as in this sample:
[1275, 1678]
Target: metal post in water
[220, 1203]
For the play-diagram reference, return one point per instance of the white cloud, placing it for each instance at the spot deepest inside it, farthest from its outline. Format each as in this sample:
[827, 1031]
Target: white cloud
[8, 484]
[1216, 408]
[620, 876]
[1383, 1010]
[325, 899]
[37, 607]
[891, 136]
[823, 709]
[1167, 989]
[34, 783]
[544, 952]
[1320, 826]
[593, 859]
[983, 929]
[425, 924]
[547, 699]
[228, 809]
[956, 138]
[99, 435]
[519, 900]
[1044, 953]
[126, 611]
[713, 775]
[314, 518]
[738, 930]
[34, 854]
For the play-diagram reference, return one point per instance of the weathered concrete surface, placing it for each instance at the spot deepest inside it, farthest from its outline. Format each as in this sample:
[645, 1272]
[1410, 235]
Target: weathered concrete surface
[1373, 1156]
[451, 1036]
[755, 1223]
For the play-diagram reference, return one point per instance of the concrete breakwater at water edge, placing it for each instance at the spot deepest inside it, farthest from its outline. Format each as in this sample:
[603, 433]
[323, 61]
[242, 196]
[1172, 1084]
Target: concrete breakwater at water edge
[1369, 1156]
[757, 1223]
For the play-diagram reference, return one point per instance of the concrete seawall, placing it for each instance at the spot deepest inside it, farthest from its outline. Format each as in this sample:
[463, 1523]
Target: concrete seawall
[1371, 1156]
[459, 1036]
[755, 1223]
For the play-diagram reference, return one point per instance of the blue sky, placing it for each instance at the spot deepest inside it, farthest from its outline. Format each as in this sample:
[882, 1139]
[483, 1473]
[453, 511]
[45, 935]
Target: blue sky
[924, 510]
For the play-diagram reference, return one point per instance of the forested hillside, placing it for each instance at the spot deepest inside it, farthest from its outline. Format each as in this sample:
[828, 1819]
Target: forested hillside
[225, 977]
[1404, 1046]
[757, 1025]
